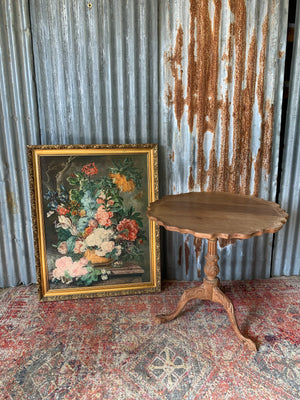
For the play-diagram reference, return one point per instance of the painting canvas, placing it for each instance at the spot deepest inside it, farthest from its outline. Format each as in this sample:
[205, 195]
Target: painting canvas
[92, 235]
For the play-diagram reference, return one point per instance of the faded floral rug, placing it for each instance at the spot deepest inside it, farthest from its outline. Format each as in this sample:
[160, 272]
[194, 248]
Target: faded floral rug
[112, 348]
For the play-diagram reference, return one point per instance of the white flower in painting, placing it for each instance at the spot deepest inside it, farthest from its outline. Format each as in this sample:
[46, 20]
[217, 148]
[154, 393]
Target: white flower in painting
[119, 250]
[100, 253]
[104, 274]
[65, 223]
[98, 237]
[49, 213]
[73, 230]
[106, 247]
[117, 263]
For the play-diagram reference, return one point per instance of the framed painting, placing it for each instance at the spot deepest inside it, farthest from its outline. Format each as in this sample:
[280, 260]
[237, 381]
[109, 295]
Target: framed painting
[92, 236]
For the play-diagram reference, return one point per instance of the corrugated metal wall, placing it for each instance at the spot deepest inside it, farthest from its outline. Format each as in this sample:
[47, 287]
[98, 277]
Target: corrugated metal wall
[18, 127]
[287, 241]
[96, 70]
[202, 78]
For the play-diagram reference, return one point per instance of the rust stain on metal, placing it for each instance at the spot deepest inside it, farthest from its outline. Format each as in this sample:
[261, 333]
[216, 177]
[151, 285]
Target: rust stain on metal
[248, 98]
[213, 168]
[226, 242]
[224, 167]
[238, 8]
[172, 156]
[192, 81]
[187, 255]
[268, 136]
[169, 96]
[175, 60]
[266, 110]
[11, 203]
[203, 64]
[191, 182]
[179, 255]
[262, 63]
[198, 246]
[257, 167]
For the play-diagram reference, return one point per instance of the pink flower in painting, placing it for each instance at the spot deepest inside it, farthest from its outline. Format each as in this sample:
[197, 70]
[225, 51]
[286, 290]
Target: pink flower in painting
[65, 266]
[79, 247]
[61, 266]
[128, 229]
[93, 223]
[103, 217]
[62, 248]
[78, 268]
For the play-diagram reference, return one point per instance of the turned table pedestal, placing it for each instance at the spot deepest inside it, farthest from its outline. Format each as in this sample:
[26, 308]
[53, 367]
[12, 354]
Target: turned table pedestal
[213, 215]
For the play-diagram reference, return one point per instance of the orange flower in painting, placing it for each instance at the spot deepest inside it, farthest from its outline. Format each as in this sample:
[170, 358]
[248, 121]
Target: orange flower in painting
[90, 169]
[88, 231]
[62, 210]
[82, 213]
[122, 183]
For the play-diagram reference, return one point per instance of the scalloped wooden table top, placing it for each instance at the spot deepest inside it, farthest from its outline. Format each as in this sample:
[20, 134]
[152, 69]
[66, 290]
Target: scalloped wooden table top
[213, 215]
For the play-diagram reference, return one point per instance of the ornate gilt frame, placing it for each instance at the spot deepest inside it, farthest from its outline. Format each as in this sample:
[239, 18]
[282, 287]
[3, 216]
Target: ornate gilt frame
[43, 154]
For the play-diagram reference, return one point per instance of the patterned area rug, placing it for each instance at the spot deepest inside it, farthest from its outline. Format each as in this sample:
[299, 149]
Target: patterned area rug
[111, 348]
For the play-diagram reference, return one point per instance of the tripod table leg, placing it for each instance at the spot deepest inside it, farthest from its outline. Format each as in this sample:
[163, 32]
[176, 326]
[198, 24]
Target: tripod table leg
[189, 294]
[209, 290]
[219, 297]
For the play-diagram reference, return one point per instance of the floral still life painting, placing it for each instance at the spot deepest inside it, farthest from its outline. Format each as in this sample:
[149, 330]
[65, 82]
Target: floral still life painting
[93, 236]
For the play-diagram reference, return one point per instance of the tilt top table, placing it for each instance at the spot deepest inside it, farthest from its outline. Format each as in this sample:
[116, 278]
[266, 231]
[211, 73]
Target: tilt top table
[213, 215]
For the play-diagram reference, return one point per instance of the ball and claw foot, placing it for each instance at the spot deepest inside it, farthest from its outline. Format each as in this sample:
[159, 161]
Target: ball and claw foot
[251, 345]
